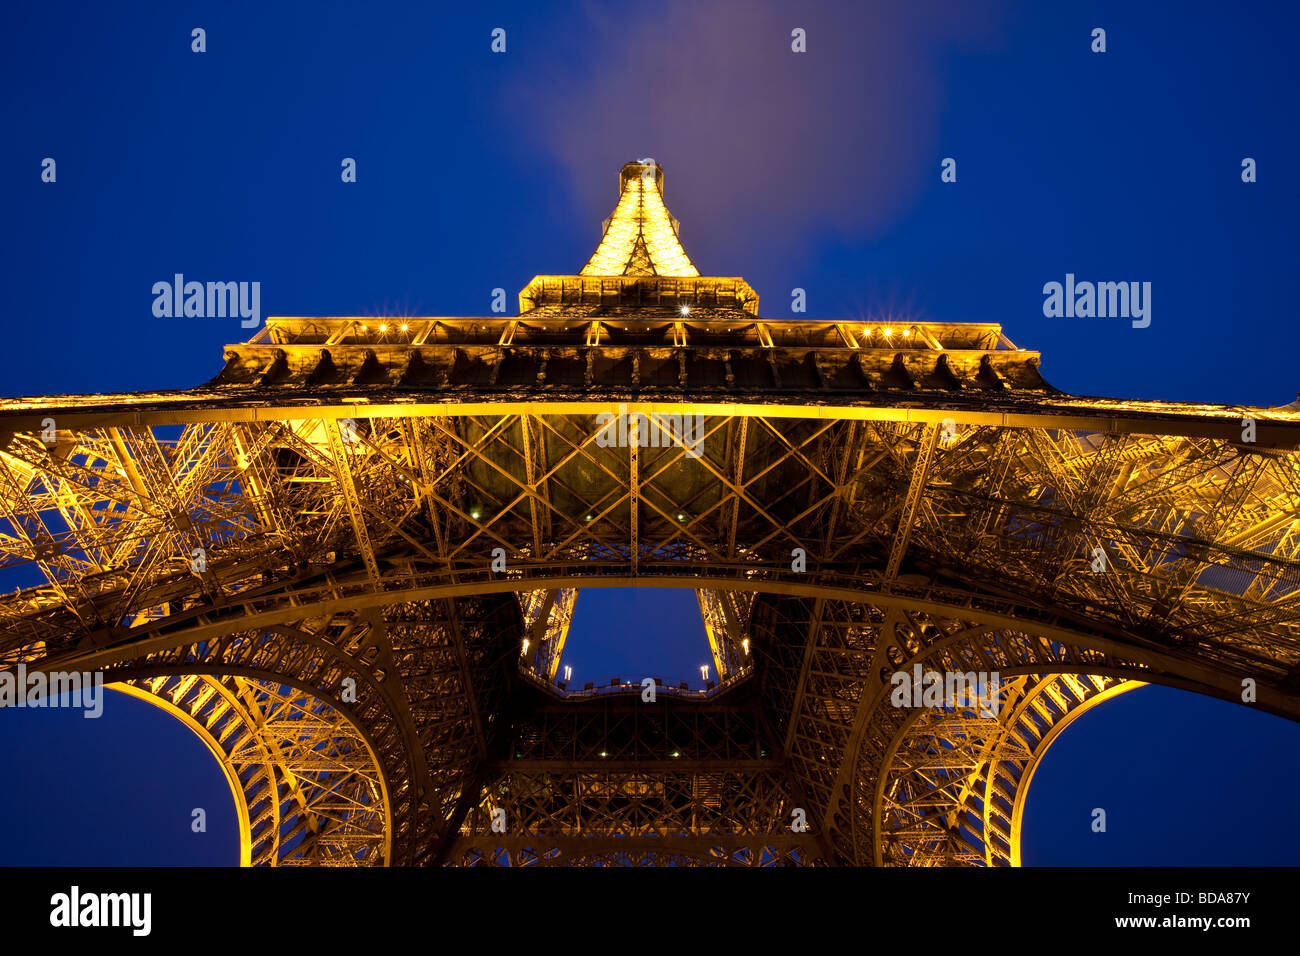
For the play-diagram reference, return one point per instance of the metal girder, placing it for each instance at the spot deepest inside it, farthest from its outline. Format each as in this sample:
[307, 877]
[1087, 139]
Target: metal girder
[926, 443]
[351, 509]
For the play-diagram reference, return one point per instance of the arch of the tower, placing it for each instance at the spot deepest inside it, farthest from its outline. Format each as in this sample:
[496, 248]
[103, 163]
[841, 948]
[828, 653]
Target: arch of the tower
[956, 782]
[347, 737]
[306, 784]
[940, 781]
[879, 783]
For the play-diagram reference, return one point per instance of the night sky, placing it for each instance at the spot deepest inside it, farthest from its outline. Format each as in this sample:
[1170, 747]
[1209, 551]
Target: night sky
[818, 171]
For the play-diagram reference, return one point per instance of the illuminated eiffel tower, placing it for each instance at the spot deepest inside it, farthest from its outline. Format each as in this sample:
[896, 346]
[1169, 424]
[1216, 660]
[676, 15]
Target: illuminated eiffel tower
[348, 563]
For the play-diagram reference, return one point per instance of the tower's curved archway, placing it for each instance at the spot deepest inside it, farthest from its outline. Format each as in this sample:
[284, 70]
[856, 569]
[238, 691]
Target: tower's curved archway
[306, 784]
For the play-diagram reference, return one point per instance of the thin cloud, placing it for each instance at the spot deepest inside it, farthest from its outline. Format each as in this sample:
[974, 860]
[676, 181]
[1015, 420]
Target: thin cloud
[839, 138]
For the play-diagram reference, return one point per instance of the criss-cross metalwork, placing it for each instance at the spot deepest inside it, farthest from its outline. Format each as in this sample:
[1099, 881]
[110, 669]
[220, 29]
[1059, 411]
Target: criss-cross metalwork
[349, 563]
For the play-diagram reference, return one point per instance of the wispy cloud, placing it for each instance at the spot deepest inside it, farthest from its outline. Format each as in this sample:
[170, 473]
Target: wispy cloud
[837, 138]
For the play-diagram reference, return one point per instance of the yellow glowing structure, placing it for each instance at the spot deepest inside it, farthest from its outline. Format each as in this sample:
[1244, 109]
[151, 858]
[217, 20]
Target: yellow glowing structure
[640, 238]
[292, 559]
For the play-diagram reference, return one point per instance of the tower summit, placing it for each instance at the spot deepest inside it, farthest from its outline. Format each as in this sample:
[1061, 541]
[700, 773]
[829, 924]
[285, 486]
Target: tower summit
[639, 264]
[641, 237]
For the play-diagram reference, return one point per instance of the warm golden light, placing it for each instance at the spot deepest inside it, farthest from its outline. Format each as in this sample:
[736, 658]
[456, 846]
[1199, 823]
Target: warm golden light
[881, 461]
[640, 238]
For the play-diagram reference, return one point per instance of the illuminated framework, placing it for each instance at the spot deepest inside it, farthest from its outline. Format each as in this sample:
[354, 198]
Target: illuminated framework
[296, 560]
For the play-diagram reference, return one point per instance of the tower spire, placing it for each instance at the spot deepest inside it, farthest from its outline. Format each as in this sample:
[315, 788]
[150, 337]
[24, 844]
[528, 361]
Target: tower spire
[640, 238]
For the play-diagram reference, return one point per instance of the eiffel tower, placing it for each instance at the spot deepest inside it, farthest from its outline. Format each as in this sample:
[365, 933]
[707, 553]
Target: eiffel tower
[348, 563]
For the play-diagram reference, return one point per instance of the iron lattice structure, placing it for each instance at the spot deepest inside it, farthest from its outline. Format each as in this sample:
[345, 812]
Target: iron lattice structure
[296, 559]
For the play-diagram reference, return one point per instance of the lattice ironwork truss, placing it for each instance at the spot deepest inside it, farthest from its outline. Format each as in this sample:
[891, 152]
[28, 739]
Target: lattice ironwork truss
[327, 561]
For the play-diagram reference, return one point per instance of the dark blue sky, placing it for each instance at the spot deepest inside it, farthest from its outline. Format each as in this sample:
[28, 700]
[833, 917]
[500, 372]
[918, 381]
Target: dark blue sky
[818, 170]
[634, 633]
